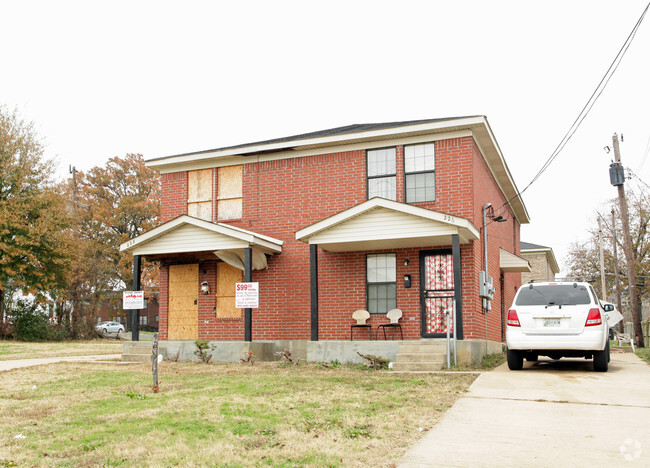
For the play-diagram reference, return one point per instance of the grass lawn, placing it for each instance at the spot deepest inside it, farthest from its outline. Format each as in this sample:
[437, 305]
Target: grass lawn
[90, 414]
[644, 353]
[10, 349]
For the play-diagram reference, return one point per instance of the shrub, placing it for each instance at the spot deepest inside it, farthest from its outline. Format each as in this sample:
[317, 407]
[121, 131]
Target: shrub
[30, 324]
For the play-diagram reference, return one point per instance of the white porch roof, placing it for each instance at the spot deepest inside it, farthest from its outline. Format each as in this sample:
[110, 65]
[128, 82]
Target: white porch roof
[188, 234]
[379, 224]
[510, 262]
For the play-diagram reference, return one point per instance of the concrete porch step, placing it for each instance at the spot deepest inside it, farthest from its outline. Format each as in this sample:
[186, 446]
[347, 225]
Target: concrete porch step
[136, 357]
[422, 347]
[420, 357]
[137, 351]
[420, 366]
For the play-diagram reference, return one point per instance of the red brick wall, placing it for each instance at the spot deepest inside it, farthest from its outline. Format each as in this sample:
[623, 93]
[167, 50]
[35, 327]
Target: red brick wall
[173, 200]
[284, 196]
[500, 236]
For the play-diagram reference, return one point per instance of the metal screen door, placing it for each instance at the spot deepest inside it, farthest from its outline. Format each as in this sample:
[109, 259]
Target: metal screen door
[437, 292]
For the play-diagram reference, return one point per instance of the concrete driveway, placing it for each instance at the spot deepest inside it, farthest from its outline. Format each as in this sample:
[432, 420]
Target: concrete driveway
[551, 413]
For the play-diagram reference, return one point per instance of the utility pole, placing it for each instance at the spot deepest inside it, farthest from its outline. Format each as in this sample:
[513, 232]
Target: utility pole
[621, 328]
[603, 290]
[627, 243]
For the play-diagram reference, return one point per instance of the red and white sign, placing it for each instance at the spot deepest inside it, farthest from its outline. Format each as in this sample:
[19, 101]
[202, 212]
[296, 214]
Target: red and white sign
[247, 295]
[133, 300]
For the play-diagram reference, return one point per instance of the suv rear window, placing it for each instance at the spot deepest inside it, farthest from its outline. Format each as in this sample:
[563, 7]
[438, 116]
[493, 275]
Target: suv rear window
[557, 294]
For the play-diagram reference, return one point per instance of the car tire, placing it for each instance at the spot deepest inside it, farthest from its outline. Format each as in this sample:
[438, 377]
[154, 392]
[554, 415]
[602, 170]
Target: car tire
[515, 359]
[105, 330]
[601, 359]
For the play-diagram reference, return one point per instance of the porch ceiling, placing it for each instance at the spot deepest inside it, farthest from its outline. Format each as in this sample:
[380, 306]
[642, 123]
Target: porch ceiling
[186, 234]
[379, 224]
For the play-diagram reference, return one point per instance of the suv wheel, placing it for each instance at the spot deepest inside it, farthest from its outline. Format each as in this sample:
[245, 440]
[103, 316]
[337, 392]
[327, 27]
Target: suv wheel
[600, 359]
[515, 359]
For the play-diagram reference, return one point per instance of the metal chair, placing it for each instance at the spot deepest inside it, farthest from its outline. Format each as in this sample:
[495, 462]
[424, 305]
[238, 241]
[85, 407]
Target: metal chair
[393, 315]
[361, 316]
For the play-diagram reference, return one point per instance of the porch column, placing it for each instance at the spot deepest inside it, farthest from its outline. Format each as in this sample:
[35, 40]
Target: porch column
[135, 313]
[248, 277]
[458, 285]
[313, 282]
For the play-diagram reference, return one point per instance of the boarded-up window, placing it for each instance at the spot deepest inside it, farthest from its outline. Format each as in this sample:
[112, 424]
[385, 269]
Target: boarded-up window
[229, 204]
[227, 277]
[183, 297]
[199, 194]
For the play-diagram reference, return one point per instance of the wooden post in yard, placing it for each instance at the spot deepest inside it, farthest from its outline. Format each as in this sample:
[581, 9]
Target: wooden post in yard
[154, 362]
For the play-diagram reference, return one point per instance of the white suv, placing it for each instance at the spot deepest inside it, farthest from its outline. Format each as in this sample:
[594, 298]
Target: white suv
[557, 319]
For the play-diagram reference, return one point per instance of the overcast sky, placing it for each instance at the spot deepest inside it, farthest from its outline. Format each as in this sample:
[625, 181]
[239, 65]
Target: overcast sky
[103, 79]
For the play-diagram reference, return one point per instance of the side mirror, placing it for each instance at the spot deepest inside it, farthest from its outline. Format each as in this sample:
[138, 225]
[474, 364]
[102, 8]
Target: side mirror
[608, 307]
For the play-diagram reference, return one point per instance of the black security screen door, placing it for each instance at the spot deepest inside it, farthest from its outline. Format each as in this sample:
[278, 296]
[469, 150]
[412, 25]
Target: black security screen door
[437, 296]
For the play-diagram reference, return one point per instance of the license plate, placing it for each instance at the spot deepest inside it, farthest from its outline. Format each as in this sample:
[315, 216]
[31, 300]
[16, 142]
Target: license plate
[552, 322]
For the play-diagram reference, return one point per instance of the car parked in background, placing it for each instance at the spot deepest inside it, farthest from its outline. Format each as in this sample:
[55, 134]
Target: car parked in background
[557, 319]
[110, 327]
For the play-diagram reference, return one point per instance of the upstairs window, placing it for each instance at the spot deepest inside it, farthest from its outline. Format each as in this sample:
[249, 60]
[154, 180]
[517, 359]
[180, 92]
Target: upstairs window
[381, 274]
[199, 194]
[229, 196]
[382, 179]
[420, 172]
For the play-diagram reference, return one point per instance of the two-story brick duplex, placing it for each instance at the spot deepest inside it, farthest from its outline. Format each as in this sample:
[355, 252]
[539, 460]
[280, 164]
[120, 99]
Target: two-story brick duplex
[334, 221]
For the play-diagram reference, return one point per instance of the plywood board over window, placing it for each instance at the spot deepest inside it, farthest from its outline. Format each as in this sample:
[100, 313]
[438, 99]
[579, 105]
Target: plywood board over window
[199, 194]
[229, 204]
[227, 277]
[183, 302]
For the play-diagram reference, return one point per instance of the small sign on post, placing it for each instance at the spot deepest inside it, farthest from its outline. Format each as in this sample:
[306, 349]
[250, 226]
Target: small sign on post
[247, 295]
[133, 300]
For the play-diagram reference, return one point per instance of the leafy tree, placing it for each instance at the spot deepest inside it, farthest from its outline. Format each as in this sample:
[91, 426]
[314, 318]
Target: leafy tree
[584, 257]
[112, 204]
[123, 200]
[34, 241]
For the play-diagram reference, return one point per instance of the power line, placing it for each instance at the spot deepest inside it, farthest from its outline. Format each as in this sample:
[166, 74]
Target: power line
[588, 106]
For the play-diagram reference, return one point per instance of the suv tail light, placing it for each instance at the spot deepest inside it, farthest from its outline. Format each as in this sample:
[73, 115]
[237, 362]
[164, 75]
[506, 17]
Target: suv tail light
[593, 318]
[513, 320]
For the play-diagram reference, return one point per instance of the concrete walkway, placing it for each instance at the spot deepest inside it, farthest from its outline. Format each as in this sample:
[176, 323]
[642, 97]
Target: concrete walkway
[550, 414]
[17, 363]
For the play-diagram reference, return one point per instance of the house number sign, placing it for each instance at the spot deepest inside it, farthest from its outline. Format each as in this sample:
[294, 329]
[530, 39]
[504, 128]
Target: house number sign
[247, 295]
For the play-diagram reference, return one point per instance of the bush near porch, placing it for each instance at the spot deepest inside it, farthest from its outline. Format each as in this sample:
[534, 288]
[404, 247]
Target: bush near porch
[73, 414]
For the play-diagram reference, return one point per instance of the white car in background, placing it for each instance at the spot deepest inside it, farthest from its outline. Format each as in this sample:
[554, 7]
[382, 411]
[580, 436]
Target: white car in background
[110, 327]
[557, 319]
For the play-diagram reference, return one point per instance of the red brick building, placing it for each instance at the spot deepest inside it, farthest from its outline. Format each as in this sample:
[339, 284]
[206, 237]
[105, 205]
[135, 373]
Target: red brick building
[374, 217]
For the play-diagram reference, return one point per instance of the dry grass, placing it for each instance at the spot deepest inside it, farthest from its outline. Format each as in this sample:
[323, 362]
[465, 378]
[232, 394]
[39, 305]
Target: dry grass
[89, 414]
[22, 350]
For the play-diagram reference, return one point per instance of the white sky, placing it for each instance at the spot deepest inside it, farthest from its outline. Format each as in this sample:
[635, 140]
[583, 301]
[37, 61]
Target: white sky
[103, 79]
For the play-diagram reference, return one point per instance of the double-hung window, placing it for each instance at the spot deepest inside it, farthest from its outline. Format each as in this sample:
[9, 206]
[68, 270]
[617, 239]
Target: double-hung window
[382, 178]
[381, 273]
[420, 172]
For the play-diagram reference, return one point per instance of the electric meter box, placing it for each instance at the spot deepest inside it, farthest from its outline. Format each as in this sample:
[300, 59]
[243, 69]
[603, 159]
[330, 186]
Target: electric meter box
[485, 285]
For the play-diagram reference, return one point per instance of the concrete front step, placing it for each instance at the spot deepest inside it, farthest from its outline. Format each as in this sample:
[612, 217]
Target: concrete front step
[136, 357]
[136, 351]
[420, 356]
[421, 366]
[422, 347]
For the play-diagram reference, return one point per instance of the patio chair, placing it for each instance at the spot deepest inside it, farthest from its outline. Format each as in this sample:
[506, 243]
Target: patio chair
[361, 316]
[393, 315]
[624, 338]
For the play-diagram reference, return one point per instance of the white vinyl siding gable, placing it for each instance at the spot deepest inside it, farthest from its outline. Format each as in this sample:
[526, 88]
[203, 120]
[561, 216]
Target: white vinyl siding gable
[189, 238]
[382, 223]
